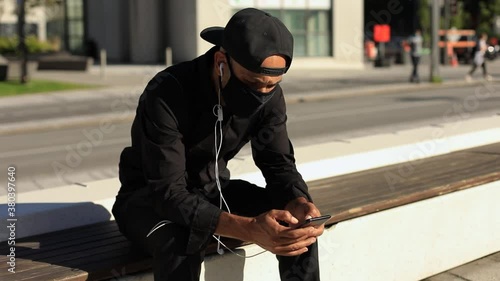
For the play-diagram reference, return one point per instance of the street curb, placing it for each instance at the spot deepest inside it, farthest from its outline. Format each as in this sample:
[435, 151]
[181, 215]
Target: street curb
[65, 123]
[383, 89]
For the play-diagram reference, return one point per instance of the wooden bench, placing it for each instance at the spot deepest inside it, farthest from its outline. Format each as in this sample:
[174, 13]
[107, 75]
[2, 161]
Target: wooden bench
[99, 251]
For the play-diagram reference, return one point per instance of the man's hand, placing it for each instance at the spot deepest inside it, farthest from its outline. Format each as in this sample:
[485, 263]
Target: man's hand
[267, 232]
[302, 209]
[275, 230]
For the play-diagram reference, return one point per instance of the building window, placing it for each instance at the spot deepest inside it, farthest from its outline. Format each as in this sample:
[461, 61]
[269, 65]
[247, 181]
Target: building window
[10, 29]
[309, 21]
[65, 27]
[75, 26]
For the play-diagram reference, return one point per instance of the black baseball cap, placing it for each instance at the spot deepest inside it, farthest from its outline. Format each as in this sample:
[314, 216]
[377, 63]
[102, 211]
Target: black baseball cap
[250, 37]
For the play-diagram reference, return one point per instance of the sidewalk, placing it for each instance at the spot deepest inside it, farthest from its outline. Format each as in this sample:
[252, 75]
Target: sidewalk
[295, 81]
[485, 269]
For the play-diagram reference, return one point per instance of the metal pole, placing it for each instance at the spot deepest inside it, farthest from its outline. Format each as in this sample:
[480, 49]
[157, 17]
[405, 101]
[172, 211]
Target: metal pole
[447, 23]
[22, 41]
[103, 60]
[435, 76]
[168, 56]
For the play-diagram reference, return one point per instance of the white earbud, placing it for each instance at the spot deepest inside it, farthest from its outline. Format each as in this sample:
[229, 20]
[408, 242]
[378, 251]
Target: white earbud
[220, 251]
[219, 108]
[221, 67]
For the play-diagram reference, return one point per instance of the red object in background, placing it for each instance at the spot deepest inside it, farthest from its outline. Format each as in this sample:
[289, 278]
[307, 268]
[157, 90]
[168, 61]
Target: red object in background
[370, 50]
[493, 41]
[382, 33]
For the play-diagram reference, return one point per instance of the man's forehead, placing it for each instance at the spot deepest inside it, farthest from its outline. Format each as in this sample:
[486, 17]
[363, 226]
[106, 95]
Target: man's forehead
[275, 61]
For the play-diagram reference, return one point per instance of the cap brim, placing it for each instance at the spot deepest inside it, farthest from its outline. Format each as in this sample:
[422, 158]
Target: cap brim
[213, 35]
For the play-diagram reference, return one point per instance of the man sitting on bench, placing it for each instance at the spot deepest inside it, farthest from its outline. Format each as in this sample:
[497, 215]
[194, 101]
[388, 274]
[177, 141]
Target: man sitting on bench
[191, 120]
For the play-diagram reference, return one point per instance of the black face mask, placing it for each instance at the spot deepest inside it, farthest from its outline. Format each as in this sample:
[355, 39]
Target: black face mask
[240, 99]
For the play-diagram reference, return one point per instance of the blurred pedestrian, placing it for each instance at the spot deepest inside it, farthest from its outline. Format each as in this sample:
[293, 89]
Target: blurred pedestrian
[479, 54]
[416, 52]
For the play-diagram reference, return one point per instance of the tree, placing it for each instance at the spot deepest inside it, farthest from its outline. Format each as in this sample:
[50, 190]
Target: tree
[461, 19]
[488, 10]
[2, 8]
[424, 16]
[480, 14]
[23, 7]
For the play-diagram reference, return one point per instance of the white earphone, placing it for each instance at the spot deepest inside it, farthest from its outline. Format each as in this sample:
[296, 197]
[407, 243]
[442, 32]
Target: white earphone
[219, 114]
[218, 146]
[221, 67]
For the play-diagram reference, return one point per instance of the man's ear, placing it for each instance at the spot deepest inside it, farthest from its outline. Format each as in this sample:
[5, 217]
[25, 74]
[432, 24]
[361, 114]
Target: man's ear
[220, 62]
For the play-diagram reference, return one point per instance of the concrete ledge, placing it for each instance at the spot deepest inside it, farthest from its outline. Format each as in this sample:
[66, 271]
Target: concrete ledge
[410, 242]
[406, 243]
[353, 155]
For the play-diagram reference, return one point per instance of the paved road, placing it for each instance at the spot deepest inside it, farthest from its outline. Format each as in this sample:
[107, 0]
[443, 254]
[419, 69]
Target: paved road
[128, 83]
[82, 154]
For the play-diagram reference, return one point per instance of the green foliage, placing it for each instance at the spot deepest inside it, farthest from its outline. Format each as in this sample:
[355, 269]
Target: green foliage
[487, 12]
[9, 46]
[461, 19]
[484, 11]
[36, 46]
[437, 79]
[11, 88]
[424, 15]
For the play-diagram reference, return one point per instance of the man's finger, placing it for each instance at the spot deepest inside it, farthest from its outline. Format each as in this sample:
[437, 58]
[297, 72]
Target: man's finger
[296, 246]
[284, 216]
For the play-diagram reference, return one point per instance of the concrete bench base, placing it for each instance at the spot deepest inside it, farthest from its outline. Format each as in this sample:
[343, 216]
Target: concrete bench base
[407, 243]
[76, 63]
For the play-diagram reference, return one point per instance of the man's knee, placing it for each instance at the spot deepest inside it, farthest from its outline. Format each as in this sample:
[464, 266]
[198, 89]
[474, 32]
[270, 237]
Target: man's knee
[168, 239]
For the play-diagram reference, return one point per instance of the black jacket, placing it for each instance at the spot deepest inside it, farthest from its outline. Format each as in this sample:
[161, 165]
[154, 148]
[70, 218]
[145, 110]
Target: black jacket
[171, 158]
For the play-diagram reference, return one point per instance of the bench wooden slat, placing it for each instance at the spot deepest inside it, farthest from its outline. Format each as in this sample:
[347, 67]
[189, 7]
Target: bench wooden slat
[60, 236]
[491, 149]
[31, 249]
[75, 259]
[357, 194]
[106, 265]
[99, 251]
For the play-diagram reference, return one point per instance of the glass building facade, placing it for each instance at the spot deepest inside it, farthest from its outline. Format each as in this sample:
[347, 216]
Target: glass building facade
[75, 23]
[67, 26]
[310, 22]
[324, 30]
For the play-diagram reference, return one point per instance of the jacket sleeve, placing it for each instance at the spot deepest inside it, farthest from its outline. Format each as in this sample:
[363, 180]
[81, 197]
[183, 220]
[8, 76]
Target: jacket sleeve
[273, 154]
[164, 164]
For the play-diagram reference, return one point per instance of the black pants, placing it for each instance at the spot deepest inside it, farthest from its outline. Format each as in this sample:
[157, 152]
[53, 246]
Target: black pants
[415, 60]
[167, 244]
[474, 67]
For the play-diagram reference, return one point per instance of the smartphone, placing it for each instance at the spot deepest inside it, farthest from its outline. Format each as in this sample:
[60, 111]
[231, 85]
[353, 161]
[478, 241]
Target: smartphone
[317, 221]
